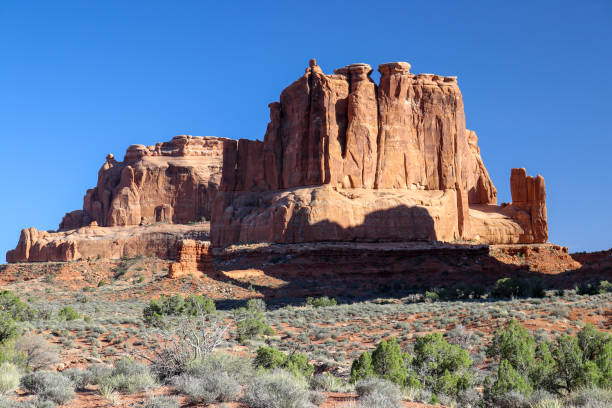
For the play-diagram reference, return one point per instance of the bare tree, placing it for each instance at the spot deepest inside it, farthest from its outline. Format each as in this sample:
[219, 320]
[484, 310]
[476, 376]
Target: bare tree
[189, 339]
[37, 352]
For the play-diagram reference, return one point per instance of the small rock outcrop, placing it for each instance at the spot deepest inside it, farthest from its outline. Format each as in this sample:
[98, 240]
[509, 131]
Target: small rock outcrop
[342, 159]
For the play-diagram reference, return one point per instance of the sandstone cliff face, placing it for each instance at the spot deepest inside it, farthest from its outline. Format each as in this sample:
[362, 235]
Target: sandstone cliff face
[173, 182]
[342, 159]
[159, 240]
[314, 214]
[343, 130]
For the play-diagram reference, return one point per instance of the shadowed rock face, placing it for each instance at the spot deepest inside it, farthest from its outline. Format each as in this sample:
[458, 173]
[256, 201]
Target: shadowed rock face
[342, 159]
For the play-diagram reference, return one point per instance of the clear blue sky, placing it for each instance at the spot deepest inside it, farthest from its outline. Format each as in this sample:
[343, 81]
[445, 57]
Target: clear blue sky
[80, 79]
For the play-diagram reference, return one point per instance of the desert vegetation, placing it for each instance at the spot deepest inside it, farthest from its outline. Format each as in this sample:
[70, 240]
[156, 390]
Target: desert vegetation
[513, 344]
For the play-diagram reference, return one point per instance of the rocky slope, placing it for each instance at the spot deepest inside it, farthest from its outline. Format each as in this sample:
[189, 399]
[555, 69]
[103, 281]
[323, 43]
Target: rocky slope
[343, 159]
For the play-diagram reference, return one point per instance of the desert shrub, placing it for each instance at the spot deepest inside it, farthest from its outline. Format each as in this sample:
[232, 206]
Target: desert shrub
[196, 304]
[36, 352]
[49, 385]
[517, 287]
[251, 321]
[362, 367]
[388, 362]
[469, 398]
[590, 398]
[561, 366]
[80, 378]
[154, 313]
[161, 401]
[8, 403]
[277, 389]
[323, 301]
[569, 363]
[128, 376]
[208, 388]
[431, 296]
[594, 288]
[515, 345]
[459, 336]
[236, 367]
[188, 341]
[508, 379]
[176, 305]
[443, 367]
[326, 382]
[68, 313]
[9, 377]
[460, 291]
[271, 358]
[256, 304]
[511, 399]
[98, 372]
[14, 307]
[9, 329]
[378, 392]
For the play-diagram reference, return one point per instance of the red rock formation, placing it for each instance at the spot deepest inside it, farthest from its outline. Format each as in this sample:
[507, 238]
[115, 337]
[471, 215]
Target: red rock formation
[342, 159]
[529, 194]
[311, 214]
[172, 182]
[193, 259]
[106, 242]
[343, 131]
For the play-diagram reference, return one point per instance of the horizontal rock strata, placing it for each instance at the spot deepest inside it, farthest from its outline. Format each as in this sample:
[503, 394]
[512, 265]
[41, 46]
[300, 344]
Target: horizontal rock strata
[159, 240]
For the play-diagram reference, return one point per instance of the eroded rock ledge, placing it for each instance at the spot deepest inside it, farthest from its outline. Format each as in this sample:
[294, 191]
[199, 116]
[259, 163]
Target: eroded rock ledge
[343, 159]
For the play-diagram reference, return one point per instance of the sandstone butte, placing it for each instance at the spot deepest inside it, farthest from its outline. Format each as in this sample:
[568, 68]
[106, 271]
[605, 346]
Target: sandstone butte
[343, 160]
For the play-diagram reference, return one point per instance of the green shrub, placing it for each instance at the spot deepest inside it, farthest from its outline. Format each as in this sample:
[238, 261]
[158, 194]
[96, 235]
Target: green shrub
[362, 367]
[9, 377]
[68, 313]
[176, 305]
[14, 307]
[251, 321]
[515, 345]
[508, 379]
[443, 367]
[9, 329]
[561, 366]
[517, 287]
[594, 288]
[195, 305]
[154, 313]
[271, 358]
[431, 296]
[321, 301]
[569, 363]
[49, 385]
[388, 362]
